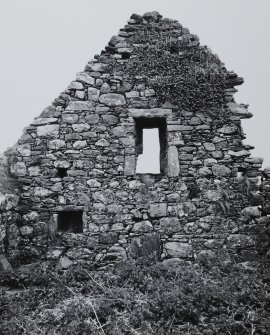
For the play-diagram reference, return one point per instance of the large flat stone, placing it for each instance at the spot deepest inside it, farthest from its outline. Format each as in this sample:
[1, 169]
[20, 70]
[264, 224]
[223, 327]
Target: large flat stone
[85, 78]
[48, 130]
[149, 112]
[44, 120]
[112, 99]
[79, 106]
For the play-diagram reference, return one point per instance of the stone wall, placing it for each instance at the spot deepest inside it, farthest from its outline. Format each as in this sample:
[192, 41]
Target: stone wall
[80, 155]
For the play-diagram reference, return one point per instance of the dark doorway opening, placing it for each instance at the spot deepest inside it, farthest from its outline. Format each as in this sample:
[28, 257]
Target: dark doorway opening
[70, 222]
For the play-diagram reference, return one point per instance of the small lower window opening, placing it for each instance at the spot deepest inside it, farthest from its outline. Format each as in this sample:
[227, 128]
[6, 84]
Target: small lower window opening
[151, 145]
[242, 172]
[61, 172]
[70, 222]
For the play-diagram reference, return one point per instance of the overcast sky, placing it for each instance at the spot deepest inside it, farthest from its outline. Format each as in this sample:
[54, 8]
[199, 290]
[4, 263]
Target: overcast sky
[44, 43]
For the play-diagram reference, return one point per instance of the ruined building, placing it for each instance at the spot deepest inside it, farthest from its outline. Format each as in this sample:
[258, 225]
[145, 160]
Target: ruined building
[79, 195]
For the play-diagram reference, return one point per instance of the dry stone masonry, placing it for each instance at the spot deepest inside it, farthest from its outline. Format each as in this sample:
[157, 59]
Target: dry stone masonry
[80, 198]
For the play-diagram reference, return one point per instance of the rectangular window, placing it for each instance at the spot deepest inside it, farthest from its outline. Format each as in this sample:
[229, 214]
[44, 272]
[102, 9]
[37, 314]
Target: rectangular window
[151, 145]
[70, 222]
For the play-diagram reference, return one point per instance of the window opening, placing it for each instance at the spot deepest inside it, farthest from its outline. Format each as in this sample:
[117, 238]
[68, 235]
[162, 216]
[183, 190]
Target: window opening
[70, 222]
[151, 145]
[242, 172]
[61, 172]
[125, 55]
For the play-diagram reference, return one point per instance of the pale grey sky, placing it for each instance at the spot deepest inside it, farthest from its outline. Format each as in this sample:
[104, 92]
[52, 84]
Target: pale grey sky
[45, 42]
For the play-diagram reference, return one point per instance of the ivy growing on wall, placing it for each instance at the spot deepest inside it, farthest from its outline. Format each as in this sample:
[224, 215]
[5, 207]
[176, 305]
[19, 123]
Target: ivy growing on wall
[178, 68]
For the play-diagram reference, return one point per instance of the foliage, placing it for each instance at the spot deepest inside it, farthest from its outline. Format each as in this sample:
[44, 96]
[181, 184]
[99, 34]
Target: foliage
[178, 68]
[137, 298]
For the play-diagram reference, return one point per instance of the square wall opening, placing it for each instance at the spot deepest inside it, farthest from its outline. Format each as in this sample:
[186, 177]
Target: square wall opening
[70, 222]
[151, 145]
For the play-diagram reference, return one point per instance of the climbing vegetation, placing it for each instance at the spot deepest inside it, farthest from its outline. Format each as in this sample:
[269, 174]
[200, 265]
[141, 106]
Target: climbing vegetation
[178, 68]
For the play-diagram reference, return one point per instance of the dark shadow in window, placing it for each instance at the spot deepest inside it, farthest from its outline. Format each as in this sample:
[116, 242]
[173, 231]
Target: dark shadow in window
[70, 222]
[61, 172]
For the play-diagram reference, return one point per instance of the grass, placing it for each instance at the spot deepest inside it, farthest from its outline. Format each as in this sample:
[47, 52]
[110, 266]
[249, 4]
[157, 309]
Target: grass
[136, 298]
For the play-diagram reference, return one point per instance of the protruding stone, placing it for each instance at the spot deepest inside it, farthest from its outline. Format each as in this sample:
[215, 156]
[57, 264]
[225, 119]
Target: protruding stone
[93, 183]
[85, 78]
[79, 106]
[92, 118]
[170, 225]
[251, 212]
[96, 67]
[75, 85]
[80, 144]
[229, 130]
[62, 164]
[102, 143]
[241, 153]
[40, 121]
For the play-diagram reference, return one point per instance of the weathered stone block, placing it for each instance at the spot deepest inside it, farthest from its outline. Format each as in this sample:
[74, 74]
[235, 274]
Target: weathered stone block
[102, 143]
[170, 225]
[85, 78]
[75, 85]
[130, 165]
[251, 212]
[149, 112]
[48, 130]
[112, 99]
[108, 238]
[158, 210]
[142, 227]
[40, 121]
[178, 249]
[56, 144]
[209, 146]
[96, 67]
[70, 118]
[93, 183]
[92, 118]
[221, 170]
[80, 127]
[26, 230]
[109, 119]
[80, 144]
[147, 246]
[18, 169]
[79, 106]
[173, 162]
